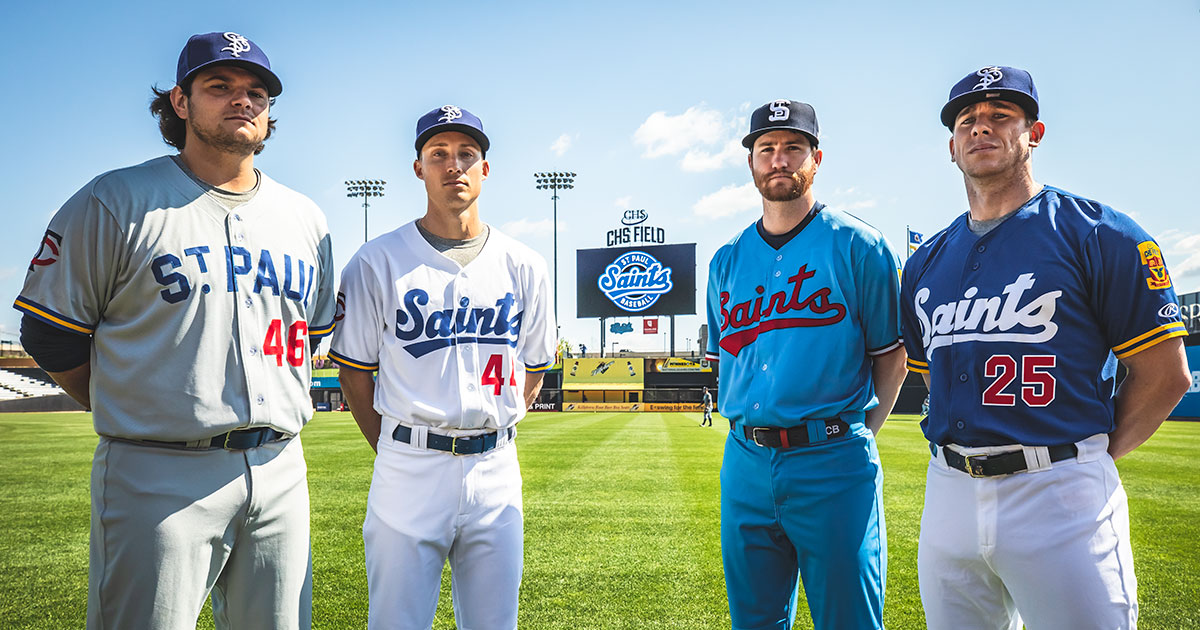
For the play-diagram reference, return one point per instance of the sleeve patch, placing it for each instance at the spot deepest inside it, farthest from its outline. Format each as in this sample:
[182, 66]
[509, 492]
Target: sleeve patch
[1156, 269]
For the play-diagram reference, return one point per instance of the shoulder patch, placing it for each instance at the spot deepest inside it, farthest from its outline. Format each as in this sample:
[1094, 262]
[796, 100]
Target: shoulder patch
[48, 251]
[1156, 269]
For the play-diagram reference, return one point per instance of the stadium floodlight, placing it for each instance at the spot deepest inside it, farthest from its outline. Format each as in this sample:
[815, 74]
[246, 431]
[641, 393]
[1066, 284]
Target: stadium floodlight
[554, 182]
[365, 188]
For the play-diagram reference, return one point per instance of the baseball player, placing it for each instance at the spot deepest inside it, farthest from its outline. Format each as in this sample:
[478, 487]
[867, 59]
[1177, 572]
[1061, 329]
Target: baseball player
[707, 402]
[803, 317]
[1016, 315]
[455, 316]
[177, 299]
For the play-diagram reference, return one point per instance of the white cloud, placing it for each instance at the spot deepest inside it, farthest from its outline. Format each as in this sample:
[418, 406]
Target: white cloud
[1188, 242]
[523, 227]
[728, 201]
[699, 160]
[663, 134]
[623, 202]
[561, 144]
[1183, 259]
[1188, 268]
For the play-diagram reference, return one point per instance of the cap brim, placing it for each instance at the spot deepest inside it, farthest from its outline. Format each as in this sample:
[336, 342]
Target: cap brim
[274, 85]
[748, 141]
[1023, 100]
[478, 135]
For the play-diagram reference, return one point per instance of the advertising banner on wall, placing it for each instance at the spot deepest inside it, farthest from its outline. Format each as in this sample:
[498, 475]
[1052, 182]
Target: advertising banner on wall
[1189, 407]
[640, 280]
[587, 406]
[674, 407]
[603, 374]
[676, 364]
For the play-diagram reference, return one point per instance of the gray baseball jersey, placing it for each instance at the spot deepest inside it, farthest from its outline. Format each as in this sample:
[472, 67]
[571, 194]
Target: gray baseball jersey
[452, 343]
[201, 316]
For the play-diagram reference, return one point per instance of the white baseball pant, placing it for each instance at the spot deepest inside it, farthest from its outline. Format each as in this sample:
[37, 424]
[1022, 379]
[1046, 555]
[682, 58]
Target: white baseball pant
[426, 506]
[1049, 547]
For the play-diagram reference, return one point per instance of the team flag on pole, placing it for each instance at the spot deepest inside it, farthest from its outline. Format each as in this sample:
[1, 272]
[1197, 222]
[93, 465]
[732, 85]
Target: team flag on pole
[914, 241]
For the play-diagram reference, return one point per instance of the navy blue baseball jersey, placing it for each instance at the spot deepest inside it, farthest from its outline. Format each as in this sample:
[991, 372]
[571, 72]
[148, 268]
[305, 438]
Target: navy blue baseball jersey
[794, 328]
[1020, 329]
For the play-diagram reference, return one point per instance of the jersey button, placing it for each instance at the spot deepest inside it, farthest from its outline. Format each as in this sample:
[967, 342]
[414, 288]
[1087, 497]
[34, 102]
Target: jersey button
[237, 217]
[470, 387]
[777, 274]
[249, 302]
[960, 424]
[981, 248]
[962, 378]
[253, 351]
[464, 301]
[756, 405]
[974, 266]
[764, 367]
[260, 400]
[779, 257]
[241, 237]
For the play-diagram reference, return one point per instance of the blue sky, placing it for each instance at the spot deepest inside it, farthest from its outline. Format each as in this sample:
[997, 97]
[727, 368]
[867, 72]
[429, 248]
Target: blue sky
[645, 101]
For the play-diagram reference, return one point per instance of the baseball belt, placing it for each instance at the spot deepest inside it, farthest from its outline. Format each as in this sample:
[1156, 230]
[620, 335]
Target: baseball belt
[1003, 463]
[779, 437]
[471, 445]
[239, 440]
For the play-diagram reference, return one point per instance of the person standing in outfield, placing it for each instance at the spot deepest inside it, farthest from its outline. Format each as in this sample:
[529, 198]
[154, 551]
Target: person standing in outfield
[1016, 315]
[456, 318]
[803, 317]
[177, 300]
[707, 401]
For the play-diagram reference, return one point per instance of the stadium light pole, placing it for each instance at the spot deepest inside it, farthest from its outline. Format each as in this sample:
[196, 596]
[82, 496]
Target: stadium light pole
[365, 188]
[555, 181]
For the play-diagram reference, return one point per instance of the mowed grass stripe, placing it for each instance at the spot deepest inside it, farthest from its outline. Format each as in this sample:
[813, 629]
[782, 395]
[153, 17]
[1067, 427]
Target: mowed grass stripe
[604, 539]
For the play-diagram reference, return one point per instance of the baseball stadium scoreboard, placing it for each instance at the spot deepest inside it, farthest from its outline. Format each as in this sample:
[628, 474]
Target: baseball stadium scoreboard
[637, 274]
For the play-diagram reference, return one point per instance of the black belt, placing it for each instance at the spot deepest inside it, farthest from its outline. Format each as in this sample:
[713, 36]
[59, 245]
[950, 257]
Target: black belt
[1002, 464]
[471, 445]
[779, 437]
[239, 440]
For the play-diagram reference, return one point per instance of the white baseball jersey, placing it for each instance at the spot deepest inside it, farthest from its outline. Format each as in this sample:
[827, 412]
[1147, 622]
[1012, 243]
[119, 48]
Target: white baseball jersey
[452, 343]
[201, 316]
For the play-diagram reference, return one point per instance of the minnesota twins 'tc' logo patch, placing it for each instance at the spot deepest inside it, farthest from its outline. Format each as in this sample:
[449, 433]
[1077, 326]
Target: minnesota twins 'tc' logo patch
[47, 253]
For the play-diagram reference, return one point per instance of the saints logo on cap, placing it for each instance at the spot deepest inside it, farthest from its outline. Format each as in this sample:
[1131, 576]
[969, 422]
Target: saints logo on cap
[237, 44]
[779, 110]
[449, 113]
[990, 74]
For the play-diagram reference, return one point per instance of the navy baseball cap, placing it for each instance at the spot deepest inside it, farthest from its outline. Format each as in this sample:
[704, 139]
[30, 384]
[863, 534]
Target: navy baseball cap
[229, 49]
[450, 118]
[993, 82]
[783, 114]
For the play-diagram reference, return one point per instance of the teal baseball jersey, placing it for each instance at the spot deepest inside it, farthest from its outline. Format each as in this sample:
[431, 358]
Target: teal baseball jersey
[794, 329]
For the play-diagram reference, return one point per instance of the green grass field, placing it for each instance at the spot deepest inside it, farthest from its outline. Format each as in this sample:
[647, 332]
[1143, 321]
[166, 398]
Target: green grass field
[621, 517]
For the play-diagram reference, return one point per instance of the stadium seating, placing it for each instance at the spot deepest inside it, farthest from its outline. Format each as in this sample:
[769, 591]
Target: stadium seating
[14, 385]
